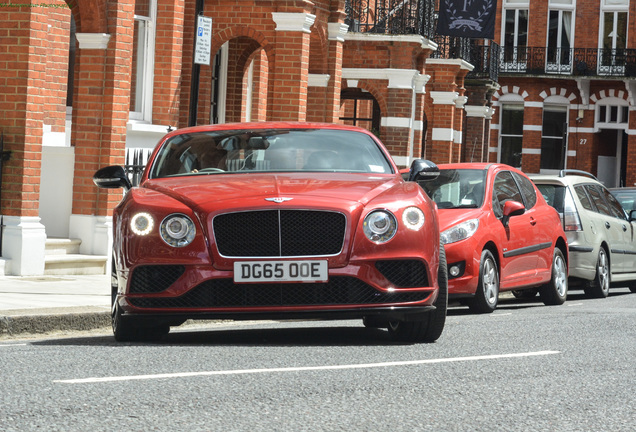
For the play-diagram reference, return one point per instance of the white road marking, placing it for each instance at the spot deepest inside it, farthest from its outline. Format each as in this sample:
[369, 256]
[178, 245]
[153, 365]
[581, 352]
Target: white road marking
[302, 369]
[575, 304]
[12, 345]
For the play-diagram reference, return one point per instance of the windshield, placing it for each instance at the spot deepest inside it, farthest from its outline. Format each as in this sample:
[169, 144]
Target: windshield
[274, 150]
[457, 188]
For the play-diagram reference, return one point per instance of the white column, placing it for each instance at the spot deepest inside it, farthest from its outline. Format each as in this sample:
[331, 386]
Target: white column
[23, 244]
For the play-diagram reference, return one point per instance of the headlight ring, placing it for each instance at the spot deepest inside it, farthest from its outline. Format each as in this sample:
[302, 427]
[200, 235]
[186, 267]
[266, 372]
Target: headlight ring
[177, 230]
[413, 218]
[380, 226]
[142, 223]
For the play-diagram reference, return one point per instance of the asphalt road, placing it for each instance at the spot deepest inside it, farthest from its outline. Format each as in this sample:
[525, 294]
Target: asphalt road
[526, 367]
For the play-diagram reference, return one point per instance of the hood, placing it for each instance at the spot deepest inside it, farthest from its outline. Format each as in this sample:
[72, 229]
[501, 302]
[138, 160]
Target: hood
[451, 217]
[216, 191]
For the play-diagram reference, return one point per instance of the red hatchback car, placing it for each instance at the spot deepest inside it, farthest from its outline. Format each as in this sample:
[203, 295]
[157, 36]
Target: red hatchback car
[499, 235]
[275, 221]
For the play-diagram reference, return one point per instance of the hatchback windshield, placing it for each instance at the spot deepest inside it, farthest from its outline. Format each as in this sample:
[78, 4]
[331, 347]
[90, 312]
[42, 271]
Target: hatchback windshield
[457, 188]
[269, 151]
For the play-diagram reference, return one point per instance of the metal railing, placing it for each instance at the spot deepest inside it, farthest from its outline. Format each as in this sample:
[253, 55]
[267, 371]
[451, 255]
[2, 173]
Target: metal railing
[394, 17]
[136, 160]
[571, 61]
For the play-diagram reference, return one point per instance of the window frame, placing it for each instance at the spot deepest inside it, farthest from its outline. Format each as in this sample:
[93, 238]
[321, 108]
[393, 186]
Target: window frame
[145, 76]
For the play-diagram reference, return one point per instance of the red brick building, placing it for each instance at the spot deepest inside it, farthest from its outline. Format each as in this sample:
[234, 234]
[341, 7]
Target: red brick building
[83, 82]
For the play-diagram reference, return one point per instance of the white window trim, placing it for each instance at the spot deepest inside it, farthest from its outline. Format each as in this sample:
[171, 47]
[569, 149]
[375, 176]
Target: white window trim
[148, 74]
[222, 73]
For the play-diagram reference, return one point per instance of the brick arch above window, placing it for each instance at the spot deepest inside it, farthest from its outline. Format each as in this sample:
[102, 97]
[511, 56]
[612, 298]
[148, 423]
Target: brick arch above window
[510, 94]
[218, 39]
[558, 96]
[375, 91]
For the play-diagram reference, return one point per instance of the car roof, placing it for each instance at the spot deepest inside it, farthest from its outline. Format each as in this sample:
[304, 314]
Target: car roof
[565, 177]
[267, 125]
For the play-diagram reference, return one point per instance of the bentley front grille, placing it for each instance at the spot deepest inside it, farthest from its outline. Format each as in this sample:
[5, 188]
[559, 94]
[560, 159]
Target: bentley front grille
[224, 293]
[279, 233]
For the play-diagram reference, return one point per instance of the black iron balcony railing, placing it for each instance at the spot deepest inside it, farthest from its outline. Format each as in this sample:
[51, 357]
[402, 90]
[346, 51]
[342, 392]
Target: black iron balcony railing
[573, 61]
[394, 17]
[484, 57]
[136, 160]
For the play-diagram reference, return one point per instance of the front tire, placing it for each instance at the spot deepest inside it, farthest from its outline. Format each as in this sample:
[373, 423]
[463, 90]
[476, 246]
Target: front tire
[430, 327]
[599, 287]
[555, 292]
[487, 294]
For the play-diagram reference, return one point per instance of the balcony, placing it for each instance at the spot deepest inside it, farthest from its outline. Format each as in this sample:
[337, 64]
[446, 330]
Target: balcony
[392, 17]
[417, 17]
[589, 62]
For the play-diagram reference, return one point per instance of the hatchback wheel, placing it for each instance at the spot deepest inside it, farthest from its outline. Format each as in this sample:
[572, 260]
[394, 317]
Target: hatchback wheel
[556, 291]
[487, 294]
[599, 287]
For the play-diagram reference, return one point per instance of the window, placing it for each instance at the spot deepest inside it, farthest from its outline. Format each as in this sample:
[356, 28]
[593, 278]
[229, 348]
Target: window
[553, 141]
[559, 53]
[527, 189]
[504, 189]
[616, 207]
[143, 60]
[612, 116]
[613, 36]
[600, 204]
[515, 32]
[585, 200]
[511, 134]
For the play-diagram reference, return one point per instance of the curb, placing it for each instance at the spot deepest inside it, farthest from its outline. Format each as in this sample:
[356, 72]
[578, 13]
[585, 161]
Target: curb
[14, 325]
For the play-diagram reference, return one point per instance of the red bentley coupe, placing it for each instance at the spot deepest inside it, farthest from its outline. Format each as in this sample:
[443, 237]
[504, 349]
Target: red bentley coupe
[275, 221]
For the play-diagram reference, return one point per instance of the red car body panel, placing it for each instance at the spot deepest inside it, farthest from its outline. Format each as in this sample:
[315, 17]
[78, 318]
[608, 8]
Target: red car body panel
[203, 198]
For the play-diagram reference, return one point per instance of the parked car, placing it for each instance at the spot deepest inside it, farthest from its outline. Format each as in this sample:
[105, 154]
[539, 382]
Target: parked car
[499, 235]
[601, 237]
[275, 221]
[626, 196]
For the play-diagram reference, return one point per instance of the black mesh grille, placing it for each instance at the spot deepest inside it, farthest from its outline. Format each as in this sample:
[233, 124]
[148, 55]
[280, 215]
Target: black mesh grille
[220, 293]
[404, 273]
[279, 233]
[154, 279]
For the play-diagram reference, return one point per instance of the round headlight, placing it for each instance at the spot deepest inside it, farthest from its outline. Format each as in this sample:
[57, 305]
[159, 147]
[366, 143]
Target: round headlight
[380, 226]
[413, 218]
[177, 230]
[142, 224]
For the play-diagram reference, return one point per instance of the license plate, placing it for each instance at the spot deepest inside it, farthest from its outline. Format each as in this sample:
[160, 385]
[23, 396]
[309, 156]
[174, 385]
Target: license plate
[281, 271]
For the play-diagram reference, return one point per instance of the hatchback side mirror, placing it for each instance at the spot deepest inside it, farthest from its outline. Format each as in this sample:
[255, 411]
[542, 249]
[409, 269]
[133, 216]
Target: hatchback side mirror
[632, 216]
[112, 177]
[512, 208]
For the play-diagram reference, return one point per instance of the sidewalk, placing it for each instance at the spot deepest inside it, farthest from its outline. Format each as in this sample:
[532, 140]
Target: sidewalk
[40, 304]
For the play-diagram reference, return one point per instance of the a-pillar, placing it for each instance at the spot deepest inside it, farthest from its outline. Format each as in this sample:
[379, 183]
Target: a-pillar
[287, 98]
[101, 106]
[23, 59]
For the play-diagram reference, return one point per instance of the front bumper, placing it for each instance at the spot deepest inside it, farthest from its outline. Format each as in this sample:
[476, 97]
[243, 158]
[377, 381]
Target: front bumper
[395, 288]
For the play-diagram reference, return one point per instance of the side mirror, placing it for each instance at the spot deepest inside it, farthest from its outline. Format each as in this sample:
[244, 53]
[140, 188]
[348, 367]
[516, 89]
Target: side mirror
[512, 208]
[423, 170]
[632, 215]
[112, 177]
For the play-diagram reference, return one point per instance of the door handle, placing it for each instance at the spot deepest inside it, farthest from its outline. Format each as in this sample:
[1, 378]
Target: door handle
[533, 221]
[607, 225]
[624, 228]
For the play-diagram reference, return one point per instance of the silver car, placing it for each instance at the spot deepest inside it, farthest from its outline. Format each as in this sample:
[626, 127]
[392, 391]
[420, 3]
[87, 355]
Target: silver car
[601, 236]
